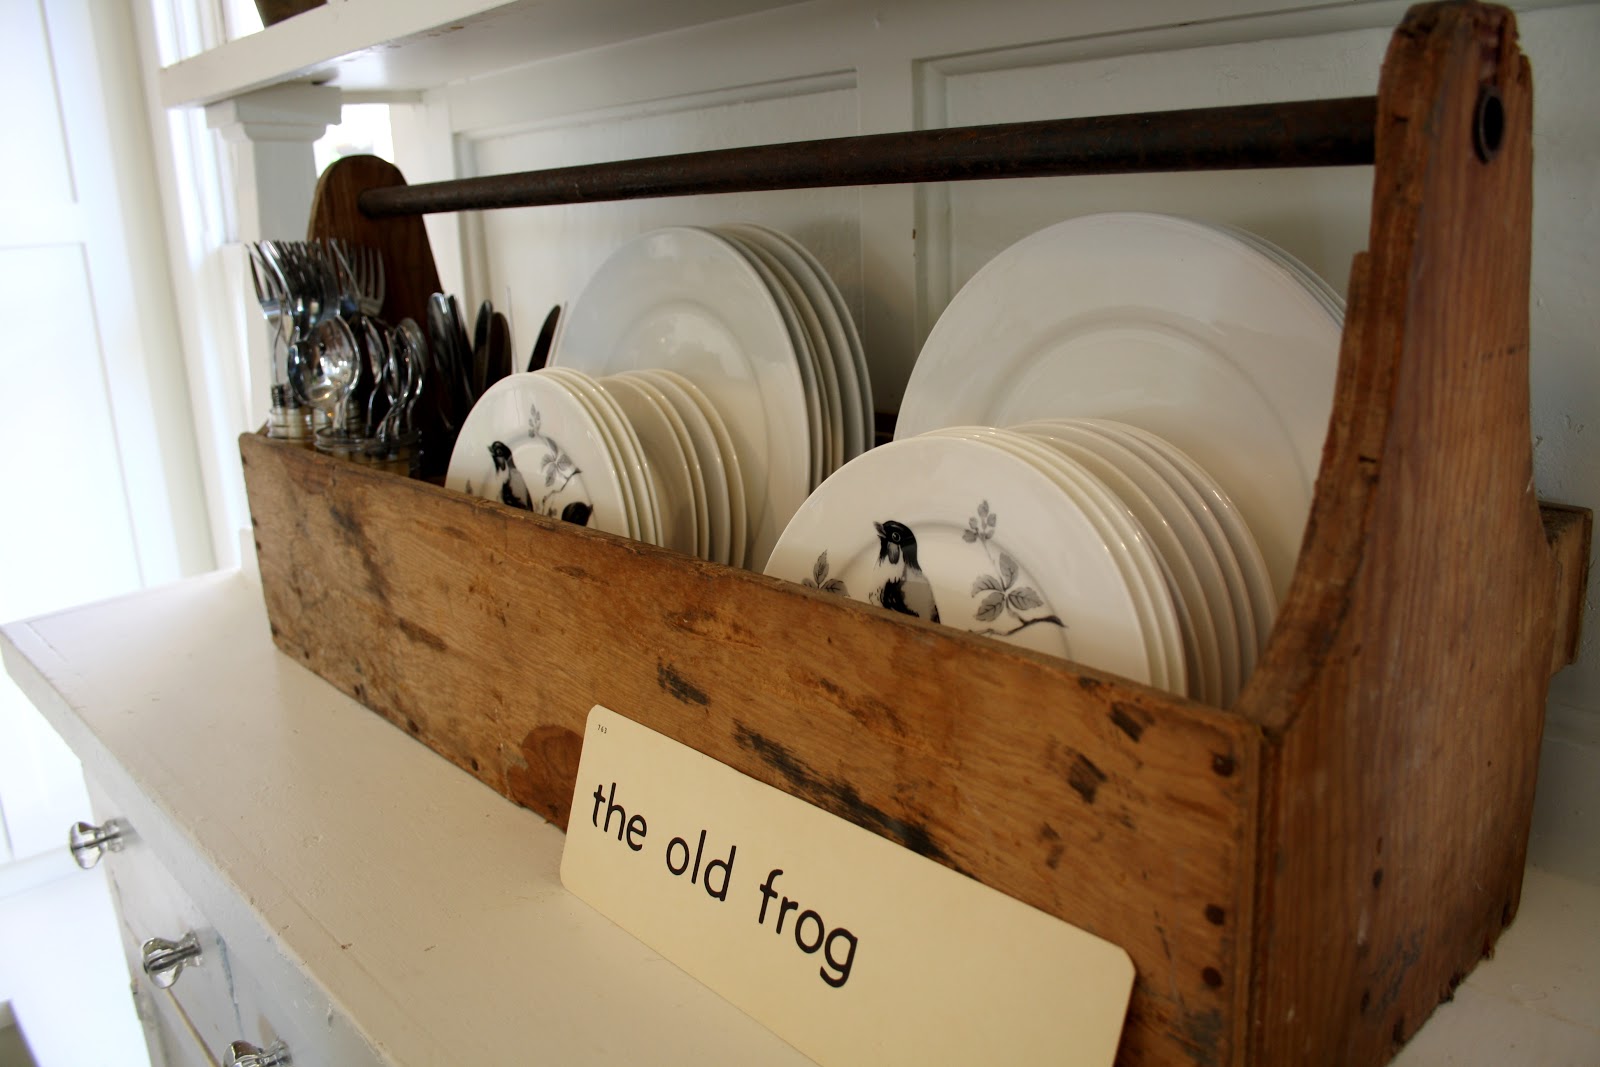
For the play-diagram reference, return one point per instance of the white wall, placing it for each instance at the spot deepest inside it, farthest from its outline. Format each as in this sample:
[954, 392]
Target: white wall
[98, 469]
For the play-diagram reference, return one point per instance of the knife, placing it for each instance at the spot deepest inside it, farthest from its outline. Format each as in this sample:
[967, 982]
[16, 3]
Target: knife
[499, 361]
[547, 335]
[480, 349]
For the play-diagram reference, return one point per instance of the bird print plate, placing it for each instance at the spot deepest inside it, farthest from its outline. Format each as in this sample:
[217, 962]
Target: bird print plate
[1174, 326]
[1131, 548]
[959, 532]
[528, 443]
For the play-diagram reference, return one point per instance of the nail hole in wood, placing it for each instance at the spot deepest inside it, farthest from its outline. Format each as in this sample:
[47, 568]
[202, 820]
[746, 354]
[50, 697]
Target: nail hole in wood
[1489, 123]
[1212, 977]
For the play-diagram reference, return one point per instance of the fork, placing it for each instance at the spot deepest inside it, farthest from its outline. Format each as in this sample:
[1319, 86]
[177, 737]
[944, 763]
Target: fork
[366, 267]
[272, 293]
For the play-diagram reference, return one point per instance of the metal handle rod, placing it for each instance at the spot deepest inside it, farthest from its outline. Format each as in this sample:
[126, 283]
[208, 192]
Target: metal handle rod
[1312, 133]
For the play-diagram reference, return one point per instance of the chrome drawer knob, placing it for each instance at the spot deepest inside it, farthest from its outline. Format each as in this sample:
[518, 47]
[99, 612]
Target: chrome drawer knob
[164, 959]
[88, 842]
[244, 1054]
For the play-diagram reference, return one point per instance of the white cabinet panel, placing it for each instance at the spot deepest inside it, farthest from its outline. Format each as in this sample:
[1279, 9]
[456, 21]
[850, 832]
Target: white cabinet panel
[27, 78]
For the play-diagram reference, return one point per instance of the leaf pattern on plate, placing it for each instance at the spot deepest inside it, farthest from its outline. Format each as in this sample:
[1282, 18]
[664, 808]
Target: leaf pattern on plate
[999, 596]
[557, 466]
[819, 577]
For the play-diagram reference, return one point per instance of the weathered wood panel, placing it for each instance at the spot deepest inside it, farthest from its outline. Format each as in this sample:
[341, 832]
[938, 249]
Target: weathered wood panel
[1404, 699]
[489, 632]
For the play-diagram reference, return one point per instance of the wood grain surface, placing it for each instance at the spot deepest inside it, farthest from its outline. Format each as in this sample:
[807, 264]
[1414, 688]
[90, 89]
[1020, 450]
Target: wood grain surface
[489, 632]
[1403, 695]
[1299, 879]
[408, 263]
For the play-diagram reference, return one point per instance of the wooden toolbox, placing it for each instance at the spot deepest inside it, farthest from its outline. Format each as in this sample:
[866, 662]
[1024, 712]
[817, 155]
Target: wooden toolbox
[1299, 878]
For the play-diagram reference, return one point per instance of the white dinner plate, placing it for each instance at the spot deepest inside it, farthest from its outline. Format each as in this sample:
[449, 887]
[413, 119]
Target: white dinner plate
[635, 460]
[823, 457]
[664, 455]
[963, 533]
[556, 460]
[835, 372]
[1207, 510]
[685, 300]
[1165, 323]
[701, 470]
[843, 338]
[723, 479]
[1200, 645]
[632, 493]
[1203, 581]
[1252, 565]
[1326, 293]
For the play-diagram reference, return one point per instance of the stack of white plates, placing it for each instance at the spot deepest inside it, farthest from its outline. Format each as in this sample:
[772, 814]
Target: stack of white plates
[1081, 538]
[642, 454]
[1167, 386]
[1210, 337]
[747, 315]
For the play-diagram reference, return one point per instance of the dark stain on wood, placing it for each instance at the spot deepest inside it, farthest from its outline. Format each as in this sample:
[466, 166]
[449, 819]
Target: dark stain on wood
[870, 712]
[679, 687]
[422, 635]
[837, 795]
[1215, 915]
[1392, 969]
[1202, 1033]
[1222, 765]
[355, 535]
[1085, 778]
[544, 778]
[1054, 846]
[1129, 719]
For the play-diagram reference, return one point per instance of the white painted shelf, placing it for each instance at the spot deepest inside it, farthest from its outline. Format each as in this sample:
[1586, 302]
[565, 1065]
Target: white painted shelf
[401, 46]
[425, 914]
[407, 913]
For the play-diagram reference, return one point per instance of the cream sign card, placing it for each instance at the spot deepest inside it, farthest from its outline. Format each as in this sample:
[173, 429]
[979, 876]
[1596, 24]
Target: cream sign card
[851, 948]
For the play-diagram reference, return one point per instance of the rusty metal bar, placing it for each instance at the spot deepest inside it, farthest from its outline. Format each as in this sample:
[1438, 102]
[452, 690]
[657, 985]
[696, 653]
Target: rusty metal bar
[1313, 133]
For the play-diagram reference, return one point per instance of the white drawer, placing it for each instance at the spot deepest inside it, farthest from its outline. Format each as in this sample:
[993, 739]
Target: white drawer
[230, 996]
[151, 904]
[169, 1035]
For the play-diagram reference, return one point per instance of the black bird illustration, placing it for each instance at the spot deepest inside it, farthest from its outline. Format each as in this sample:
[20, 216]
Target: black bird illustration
[901, 586]
[513, 489]
[577, 513]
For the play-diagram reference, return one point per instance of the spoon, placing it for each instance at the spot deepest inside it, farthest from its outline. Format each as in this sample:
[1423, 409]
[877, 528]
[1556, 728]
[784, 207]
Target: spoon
[335, 366]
